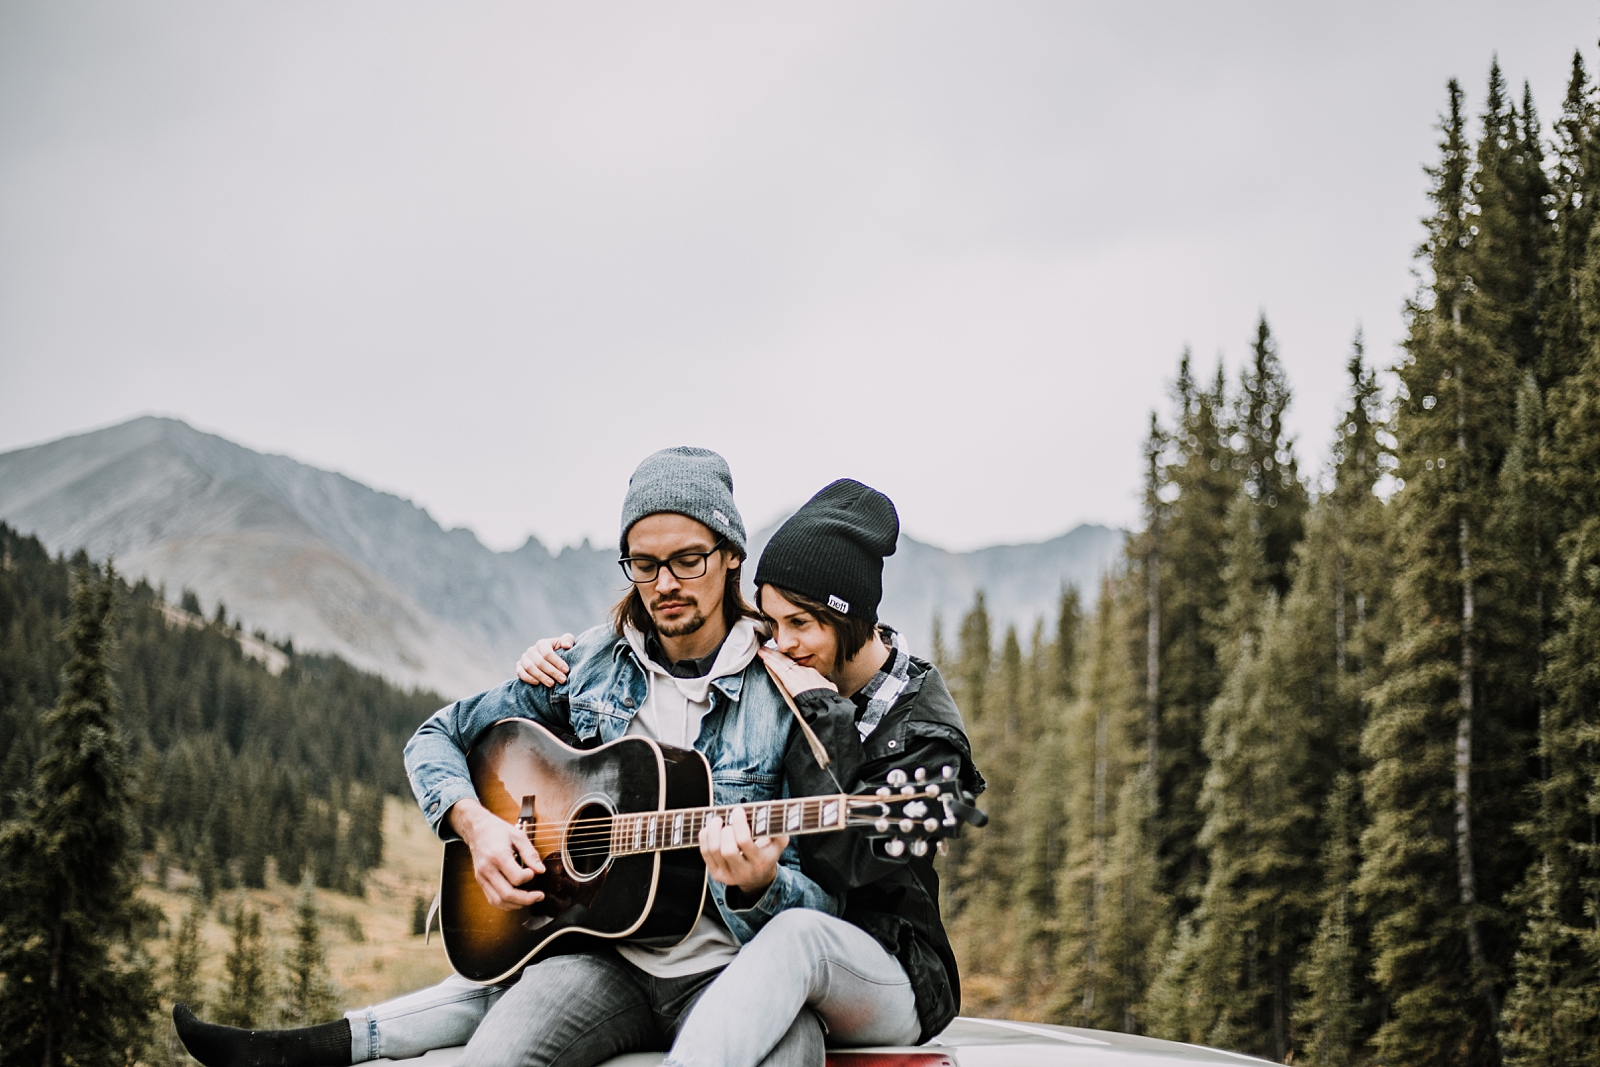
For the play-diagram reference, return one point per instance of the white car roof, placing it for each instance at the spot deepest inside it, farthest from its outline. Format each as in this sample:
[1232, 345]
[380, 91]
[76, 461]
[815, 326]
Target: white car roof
[971, 1042]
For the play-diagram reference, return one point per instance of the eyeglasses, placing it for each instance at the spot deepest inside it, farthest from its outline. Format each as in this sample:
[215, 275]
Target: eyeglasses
[642, 570]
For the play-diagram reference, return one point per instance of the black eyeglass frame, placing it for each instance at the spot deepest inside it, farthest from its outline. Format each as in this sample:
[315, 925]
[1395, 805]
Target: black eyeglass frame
[626, 563]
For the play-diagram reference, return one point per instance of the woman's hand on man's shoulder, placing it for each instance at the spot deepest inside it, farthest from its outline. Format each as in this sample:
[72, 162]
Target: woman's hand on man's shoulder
[540, 665]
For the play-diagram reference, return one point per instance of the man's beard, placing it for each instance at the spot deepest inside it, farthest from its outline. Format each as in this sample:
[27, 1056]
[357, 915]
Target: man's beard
[684, 626]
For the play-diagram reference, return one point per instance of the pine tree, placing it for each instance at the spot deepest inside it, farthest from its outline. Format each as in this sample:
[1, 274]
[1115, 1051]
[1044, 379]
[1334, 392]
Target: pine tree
[77, 987]
[1447, 750]
[1575, 177]
[988, 861]
[968, 678]
[1201, 479]
[1328, 1015]
[1261, 796]
[183, 983]
[309, 991]
[1041, 812]
[1550, 1019]
[246, 968]
[1553, 1010]
[1093, 987]
[1149, 557]
[1361, 460]
[1271, 471]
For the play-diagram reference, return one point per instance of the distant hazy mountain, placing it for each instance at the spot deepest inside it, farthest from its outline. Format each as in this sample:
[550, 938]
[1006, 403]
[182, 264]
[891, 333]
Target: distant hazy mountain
[340, 567]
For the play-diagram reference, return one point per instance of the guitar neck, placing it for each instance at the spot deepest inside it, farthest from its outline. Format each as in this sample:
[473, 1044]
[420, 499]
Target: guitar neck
[662, 831]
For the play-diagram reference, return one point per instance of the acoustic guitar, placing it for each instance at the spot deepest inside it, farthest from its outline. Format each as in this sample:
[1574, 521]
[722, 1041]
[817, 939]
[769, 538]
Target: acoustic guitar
[618, 829]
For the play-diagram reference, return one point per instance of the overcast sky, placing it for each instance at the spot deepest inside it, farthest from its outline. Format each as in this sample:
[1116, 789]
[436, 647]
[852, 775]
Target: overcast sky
[488, 256]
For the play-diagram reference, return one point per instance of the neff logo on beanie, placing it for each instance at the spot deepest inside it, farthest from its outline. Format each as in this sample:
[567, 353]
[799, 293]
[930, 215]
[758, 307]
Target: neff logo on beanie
[839, 604]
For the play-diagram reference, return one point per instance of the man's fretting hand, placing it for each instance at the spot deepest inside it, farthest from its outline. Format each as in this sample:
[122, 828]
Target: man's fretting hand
[497, 846]
[734, 858]
[540, 665]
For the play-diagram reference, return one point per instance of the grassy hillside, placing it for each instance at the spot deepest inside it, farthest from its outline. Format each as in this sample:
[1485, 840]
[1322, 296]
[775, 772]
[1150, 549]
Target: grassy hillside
[371, 951]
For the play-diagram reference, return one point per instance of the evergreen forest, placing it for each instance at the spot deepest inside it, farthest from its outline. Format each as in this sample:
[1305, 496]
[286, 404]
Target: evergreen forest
[1314, 775]
[232, 765]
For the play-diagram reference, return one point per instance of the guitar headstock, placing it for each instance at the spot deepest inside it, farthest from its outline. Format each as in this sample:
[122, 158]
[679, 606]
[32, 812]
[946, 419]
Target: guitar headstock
[914, 810]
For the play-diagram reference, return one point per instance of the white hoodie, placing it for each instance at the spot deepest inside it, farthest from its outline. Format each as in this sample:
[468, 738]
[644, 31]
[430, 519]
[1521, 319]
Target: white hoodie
[672, 713]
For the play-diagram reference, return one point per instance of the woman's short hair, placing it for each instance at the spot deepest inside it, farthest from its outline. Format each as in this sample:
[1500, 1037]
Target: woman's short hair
[851, 633]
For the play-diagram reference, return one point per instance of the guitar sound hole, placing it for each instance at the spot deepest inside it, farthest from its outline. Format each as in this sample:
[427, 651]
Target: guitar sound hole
[586, 840]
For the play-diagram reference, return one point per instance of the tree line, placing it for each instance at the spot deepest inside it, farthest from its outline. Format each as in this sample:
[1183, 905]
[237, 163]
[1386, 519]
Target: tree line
[126, 742]
[234, 765]
[1314, 775]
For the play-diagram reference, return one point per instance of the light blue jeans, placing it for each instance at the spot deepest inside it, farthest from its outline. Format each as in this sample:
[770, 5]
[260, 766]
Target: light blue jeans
[801, 959]
[440, 1016]
[754, 1014]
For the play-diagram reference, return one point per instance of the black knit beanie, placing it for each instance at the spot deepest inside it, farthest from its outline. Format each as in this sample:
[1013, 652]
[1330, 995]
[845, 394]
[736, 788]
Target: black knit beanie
[832, 549]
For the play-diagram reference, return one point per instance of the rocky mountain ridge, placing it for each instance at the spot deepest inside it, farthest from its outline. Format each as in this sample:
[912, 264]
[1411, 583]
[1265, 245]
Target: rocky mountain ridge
[340, 567]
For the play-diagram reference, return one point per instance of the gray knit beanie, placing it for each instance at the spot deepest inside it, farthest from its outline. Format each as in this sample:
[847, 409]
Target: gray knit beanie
[684, 481]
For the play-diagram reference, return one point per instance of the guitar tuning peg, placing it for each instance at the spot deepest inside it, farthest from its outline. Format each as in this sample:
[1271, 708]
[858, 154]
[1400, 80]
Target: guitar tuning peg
[943, 847]
[897, 777]
[919, 847]
[894, 846]
[906, 826]
[908, 790]
[948, 772]
[930, 824]
[882, 791]
[882, 826]
[921, 775]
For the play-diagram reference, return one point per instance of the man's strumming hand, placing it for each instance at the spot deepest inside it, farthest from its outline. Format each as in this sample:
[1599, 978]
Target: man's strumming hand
[497, 846]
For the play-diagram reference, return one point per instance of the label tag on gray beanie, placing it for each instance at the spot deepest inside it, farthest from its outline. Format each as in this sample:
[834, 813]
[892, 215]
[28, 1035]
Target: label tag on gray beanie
[839, 604]
[719, 516]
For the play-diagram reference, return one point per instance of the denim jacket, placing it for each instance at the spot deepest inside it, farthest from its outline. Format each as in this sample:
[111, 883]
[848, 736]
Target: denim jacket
[743, 737]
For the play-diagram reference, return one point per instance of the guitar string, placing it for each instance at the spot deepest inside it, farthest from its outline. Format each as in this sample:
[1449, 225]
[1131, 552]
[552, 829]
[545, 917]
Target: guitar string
[599, 835]
[600, 841]
[579, 828]
[603, 825]
[605, 830]
[606, 843]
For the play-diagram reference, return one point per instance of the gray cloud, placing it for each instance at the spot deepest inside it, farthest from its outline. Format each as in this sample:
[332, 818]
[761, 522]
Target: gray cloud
[488, 256]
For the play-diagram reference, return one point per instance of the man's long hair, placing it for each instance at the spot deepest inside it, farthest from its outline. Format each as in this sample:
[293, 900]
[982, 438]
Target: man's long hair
[630, 610]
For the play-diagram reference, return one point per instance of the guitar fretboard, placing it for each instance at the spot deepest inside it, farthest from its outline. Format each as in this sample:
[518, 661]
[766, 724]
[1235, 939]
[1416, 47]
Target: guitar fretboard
[660, 831]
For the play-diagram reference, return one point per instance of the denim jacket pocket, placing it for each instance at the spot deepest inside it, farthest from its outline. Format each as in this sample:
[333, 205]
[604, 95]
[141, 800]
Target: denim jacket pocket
[584, 715]
[742, 787]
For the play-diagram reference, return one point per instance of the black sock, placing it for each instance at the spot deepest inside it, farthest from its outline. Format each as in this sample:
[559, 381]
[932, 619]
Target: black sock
[327, 1045]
